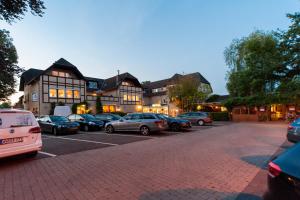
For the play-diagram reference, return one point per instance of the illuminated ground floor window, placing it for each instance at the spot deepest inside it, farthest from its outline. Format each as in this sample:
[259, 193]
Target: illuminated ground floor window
[109, 108]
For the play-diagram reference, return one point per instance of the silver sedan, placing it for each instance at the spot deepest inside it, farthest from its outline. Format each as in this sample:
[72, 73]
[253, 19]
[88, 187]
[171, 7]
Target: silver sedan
[140, 122]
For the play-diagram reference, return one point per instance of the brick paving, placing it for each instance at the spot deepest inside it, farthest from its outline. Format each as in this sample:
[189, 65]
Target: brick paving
[215, 163]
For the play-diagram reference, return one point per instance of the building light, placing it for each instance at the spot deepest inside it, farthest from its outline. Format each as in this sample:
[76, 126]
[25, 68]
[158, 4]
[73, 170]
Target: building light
[156, 105]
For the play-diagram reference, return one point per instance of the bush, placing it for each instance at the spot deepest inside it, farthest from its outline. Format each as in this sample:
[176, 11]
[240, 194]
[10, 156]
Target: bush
[219, 116]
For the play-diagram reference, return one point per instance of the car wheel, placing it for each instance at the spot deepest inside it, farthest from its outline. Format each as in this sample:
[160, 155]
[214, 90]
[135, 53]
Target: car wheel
[175, 127]
[109, 129]
[200, 123]
[54, 131]
[145, 130]
[86, 128]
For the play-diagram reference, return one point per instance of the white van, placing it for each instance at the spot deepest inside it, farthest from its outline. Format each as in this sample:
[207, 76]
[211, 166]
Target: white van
[19, 133]
[62, 111]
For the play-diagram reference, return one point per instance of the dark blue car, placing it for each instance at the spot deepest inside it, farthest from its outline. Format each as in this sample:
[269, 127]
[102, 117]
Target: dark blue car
[284, 176]
[176, 124]
[293, 133]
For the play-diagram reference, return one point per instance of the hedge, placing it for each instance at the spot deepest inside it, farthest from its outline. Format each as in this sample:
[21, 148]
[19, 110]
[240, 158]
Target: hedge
[219, 116]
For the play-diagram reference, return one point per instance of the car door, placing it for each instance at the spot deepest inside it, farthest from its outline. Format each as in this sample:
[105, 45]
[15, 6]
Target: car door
[124, 124]
[48, 124]
[41, 122]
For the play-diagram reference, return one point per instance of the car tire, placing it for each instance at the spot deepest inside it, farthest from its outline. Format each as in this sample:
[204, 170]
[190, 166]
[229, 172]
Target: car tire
[109, 129]
[175, 127]
[54, 131]
[200, 123]
[145, 130]
[86, 128]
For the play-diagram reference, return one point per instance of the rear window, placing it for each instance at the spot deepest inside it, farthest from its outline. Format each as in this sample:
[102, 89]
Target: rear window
[148, 116]
[10, 120]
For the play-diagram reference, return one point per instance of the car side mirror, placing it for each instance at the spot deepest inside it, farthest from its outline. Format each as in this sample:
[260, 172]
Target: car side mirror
[81, 119]
[121, 120]
[48, 121]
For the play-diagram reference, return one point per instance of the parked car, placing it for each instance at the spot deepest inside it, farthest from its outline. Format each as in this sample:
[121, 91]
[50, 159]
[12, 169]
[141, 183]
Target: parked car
[87, 122]
[145, 123]
[107, 117]
[20, 133]
[176, 124]
[293, 132]
[57, 125]
[284, 176]
[197, 118]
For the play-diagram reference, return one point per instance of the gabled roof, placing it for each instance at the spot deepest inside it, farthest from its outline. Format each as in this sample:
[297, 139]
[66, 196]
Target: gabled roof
[112, 83]
[32, 74]
[28, 76]
[175, 78]
[64, 64]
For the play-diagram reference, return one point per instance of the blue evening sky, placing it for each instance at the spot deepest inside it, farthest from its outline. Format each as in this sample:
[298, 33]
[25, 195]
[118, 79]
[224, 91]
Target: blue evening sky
[151, 39]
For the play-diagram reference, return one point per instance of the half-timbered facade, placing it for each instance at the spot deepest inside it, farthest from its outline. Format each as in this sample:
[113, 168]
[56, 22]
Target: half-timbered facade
[63, 83]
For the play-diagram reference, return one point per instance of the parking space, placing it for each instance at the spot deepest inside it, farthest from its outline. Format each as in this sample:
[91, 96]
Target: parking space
[83, 141]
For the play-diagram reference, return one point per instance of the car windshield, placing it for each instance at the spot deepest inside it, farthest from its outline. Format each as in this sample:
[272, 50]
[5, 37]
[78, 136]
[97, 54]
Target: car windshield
[297, 122]
[59, 119]
[163, 116]
[88, 117]
[116, 117]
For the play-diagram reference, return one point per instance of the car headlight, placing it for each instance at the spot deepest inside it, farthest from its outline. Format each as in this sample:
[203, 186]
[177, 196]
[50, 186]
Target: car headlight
[92, 123]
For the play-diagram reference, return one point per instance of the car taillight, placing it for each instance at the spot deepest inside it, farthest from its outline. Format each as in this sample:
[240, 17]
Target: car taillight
[158, 122]
[34, 130]
[274, 170]
[290, 127]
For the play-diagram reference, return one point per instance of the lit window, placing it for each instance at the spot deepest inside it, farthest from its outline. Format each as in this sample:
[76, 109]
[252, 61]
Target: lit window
[76, 94]
[137, 98]
[62, 74]
[67, 75]
[125, 97]
[52, 93]
[133, 98]
[129, 98]
[69, 94]
[61, 93]
[54, 73]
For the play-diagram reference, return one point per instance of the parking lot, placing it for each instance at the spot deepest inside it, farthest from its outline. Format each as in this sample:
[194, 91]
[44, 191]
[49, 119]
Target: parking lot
[83, 141]
[223, 161]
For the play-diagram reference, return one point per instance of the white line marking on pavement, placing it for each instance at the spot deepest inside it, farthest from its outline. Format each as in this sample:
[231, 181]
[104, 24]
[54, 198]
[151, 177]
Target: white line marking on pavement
[48, 154]
[125, 135]
[79, 140]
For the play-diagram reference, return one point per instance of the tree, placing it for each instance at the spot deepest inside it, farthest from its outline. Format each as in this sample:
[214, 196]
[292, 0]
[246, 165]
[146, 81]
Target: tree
[186, 93]
[99, 107]
[8, 66]
[290, 47]
[15, 9]
[254, 62]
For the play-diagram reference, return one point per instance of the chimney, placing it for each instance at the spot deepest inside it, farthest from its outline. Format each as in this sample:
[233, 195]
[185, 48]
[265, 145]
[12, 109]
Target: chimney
[117, 78]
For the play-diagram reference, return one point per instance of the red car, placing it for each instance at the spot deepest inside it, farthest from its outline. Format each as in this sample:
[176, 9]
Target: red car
[198, 118]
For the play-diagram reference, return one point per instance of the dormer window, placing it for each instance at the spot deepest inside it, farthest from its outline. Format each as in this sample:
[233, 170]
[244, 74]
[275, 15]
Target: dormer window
[92, 85]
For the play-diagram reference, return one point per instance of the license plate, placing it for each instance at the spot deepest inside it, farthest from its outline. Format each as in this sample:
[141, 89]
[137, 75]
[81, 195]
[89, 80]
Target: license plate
[11, 140]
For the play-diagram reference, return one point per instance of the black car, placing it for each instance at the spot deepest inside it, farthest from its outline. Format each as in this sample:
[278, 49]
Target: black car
[57, 125]
[176, 124]
[107, 117]
[293, 132]
[284, 176]
[87, 122]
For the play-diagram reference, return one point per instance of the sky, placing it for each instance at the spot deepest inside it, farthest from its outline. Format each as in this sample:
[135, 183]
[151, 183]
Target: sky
[151, 39]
